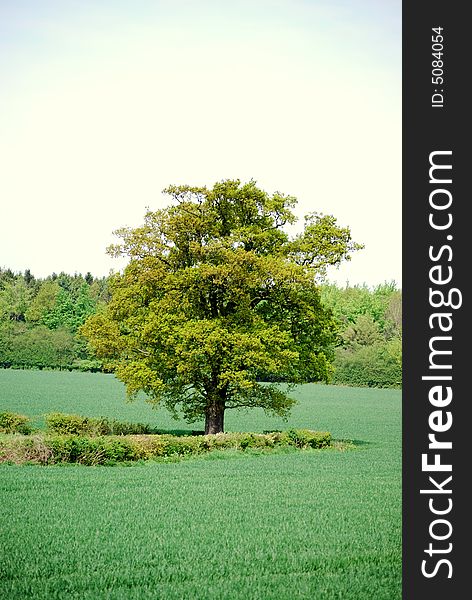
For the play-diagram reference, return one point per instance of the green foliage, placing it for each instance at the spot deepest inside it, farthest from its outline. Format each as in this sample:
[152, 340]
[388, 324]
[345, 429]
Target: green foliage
[52, 309]
[6, 276]
[378, 365]
[67, 424]
[363, 332]
[38, 348]
[370, 352]
[87, 364]
[13, 423]
[71, 308]
[393, 316]
[99, 291]
[306, 438]
[216, 293]
[77, 425]
[69, 447]
[364, 317]
[14, 300]
[43, 303]
[350, 302]
[90, 451]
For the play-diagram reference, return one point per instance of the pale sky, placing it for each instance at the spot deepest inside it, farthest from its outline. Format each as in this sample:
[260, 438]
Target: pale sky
[103, 103]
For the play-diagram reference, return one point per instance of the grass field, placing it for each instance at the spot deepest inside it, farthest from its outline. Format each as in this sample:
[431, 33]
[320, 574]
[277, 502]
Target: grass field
[320, 525]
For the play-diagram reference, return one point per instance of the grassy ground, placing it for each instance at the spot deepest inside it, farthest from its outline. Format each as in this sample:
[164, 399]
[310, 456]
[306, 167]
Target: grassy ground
[319, 525]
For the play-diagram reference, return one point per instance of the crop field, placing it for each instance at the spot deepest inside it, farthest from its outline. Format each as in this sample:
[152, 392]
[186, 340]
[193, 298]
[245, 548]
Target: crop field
[320, 524]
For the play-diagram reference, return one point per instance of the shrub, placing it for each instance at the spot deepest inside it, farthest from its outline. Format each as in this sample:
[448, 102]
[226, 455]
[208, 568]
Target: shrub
[107, 450]
[77, 425]
[87, 364]
[182, 445]
[305, 438]
[38, 347]
[14, 423]
[91, 451]
[124, 428]
[27, 346]
[66, 424]
[254, 440]
[370, 366]
[21, 449]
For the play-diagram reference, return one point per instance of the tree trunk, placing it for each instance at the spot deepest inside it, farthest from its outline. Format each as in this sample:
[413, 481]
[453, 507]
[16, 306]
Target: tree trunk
[214, 418]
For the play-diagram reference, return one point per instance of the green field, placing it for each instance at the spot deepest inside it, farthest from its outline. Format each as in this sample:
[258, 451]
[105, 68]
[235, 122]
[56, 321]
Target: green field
[321, 525]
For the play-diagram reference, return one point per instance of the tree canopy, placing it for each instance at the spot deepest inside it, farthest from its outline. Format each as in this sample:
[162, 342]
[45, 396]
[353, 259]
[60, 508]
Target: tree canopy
[216, 293]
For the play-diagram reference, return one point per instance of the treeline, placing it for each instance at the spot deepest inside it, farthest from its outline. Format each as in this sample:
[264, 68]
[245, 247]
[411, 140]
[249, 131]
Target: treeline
[40, 318]
[370, 344]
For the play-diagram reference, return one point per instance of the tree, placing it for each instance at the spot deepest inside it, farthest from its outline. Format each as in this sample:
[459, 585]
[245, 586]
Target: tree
[393, 315]
[28, 277]
[364, 332]
[44, 302]
[215, 293]
[15, 298]
[6, 276]
[382, 303]
[71, 309]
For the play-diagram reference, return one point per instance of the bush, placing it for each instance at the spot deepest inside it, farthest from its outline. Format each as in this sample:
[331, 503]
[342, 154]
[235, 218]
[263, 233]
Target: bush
[87, 364]
[77, 425]
[370, 366]
[91, 451]
[66, 424]
[107, 450]
[38, 347]
[13, 423]
[305, 438]
[124, 428]
[24, 346]
[20, 449]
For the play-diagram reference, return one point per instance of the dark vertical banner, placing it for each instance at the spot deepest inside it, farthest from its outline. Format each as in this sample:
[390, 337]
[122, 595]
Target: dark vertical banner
[437, 423]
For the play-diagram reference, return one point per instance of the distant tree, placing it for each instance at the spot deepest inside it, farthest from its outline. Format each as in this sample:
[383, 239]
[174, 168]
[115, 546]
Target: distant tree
[6, 276]
[36, 347]
[84, 306]
[216, 291]
[99, 291]
[350, 302]
[44, 302]
[15, 298]
[28, 277]
[364, 332]
[89, 278]
[376, 365]
[393, 315]
[71, 307]
[370, 351]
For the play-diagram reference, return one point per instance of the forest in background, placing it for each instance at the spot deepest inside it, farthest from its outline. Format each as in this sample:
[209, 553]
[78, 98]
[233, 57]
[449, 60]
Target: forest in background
[40, 319]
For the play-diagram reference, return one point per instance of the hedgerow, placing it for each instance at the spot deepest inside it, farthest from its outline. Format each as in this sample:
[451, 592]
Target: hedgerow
[13, 423]
[369, 366]
[78, 425]
[108, 450]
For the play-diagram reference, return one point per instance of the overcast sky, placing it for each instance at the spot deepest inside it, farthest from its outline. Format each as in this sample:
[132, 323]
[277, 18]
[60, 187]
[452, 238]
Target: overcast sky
[103, 103]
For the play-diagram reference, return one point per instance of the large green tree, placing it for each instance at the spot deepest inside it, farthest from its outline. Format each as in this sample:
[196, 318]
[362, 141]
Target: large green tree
[216, 292]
